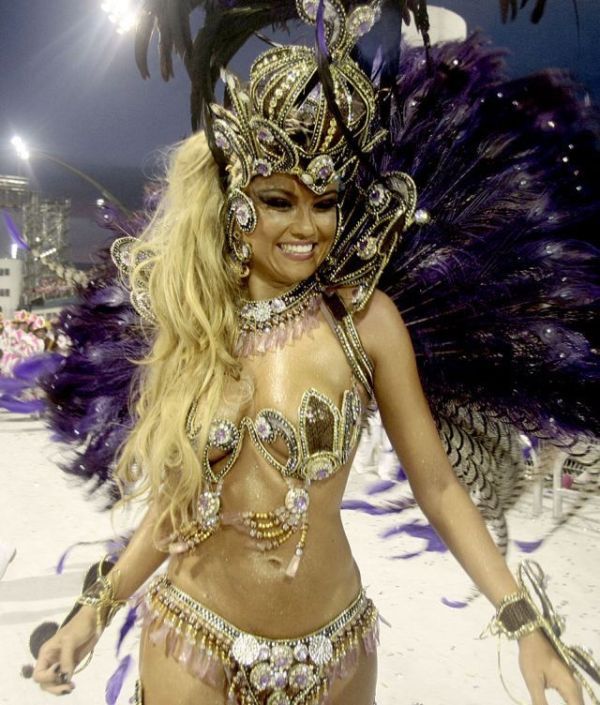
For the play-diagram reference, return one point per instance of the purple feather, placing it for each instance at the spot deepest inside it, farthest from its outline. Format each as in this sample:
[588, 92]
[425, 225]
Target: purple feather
[13, 231]
[32, 406]
[126, 627]
[320, 30]
[60, 566]
[115, 682]
[455, 604]
[529, 546]
[381, 486]
[420, 531]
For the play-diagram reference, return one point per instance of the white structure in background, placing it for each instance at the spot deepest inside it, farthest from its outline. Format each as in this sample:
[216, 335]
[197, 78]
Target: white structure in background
[445, 26]
[11, 282]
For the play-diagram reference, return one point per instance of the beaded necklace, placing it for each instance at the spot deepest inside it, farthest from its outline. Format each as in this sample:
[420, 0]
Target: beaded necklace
[268, 324]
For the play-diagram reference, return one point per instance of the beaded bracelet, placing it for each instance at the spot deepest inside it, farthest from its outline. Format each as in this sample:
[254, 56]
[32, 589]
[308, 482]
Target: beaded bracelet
[516, 616]
[101, 596]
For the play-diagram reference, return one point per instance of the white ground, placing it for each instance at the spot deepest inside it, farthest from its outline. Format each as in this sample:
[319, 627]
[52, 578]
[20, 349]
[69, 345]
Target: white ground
[430, 655]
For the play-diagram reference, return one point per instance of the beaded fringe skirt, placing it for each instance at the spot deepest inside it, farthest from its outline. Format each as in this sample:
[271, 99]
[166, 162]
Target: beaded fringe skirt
[251, 669]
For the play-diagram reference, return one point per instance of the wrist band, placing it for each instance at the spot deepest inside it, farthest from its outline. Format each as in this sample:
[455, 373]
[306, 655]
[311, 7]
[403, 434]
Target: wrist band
[101, 596]
[522, 612]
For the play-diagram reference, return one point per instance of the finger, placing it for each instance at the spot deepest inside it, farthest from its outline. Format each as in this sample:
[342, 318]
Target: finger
[572, 693]
[58, 689]
[536, 690]
[44, 674]
[67, 662]
[49, 680]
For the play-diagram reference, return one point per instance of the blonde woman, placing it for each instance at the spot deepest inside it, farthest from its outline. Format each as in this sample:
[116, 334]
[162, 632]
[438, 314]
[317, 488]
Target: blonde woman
[270, 343]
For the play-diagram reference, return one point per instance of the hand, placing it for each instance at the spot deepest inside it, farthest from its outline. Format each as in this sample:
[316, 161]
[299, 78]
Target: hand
[60, 655]
[542, 668]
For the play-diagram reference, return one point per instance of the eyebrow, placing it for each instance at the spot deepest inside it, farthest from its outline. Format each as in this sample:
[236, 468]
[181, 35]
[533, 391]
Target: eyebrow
[280, 189]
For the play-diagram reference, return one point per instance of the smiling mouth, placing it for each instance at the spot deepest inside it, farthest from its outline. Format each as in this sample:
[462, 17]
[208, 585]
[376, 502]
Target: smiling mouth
[297, 249]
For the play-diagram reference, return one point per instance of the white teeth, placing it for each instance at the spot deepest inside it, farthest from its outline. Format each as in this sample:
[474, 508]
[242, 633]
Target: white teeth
[297, 249]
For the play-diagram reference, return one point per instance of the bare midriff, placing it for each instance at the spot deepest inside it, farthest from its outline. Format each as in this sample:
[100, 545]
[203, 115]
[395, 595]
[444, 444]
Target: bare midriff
[228, 573]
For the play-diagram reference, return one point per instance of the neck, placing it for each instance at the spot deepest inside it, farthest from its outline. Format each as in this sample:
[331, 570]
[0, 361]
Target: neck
[259, 290]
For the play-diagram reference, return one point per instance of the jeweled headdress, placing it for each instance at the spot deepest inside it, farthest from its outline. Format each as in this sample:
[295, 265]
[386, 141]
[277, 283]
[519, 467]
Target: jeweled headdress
[309, 112]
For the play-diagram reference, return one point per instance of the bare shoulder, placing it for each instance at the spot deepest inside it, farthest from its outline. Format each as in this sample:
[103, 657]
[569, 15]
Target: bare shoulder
[380, 326]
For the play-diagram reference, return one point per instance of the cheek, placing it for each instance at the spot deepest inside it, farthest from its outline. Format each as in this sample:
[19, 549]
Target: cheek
[328, 224]
[271, 223]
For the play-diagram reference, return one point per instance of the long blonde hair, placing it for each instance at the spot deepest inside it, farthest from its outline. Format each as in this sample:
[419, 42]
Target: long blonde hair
[193, 295]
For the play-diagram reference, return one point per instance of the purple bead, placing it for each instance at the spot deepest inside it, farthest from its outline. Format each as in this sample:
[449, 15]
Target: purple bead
[264, 135]
[300, 652]
[264, 653]
[221, 141]
[280, 679]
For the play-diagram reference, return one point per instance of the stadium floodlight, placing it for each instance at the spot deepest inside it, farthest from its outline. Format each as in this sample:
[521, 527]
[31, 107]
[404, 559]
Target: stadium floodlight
[20, 147]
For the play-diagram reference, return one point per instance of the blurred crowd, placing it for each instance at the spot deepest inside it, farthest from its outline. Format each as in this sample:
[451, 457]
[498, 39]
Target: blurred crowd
[27, 334]
[51, 286]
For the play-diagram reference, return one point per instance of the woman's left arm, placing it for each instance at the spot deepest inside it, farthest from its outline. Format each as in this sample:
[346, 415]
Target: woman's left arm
[409, 424]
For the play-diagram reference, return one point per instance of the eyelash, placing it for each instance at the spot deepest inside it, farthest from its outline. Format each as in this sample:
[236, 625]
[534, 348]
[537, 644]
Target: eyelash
[282, 204]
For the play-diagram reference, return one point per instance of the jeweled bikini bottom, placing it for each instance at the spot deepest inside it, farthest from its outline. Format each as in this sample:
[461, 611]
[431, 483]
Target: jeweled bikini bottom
[252, 669]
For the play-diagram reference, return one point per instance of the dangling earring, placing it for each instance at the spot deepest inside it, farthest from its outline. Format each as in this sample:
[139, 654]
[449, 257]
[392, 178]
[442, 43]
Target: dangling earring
[242, 255]
[241, 216]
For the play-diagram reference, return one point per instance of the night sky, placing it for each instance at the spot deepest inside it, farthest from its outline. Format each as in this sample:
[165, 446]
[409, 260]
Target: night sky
[69, 86]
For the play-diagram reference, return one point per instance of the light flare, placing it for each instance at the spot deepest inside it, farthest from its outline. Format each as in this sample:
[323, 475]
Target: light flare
[124, 14]
[21, 147]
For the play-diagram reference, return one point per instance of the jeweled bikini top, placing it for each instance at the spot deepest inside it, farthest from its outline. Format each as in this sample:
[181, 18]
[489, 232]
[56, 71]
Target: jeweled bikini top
[320, 444]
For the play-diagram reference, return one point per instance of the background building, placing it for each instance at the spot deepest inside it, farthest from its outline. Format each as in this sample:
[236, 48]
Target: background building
[11, 283]
[28, 279]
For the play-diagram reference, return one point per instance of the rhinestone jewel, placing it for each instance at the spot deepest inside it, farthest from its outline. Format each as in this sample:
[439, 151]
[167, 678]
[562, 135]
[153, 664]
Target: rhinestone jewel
[222, 434]
[367, 247]
[278, 305]
[310, 7]
[264, 429]
[257, 311]
[282, 657]
[301, 677]
[297, 500]
[319, 468]
[377, 195]
[221, 141]
[245, 649]
[261, 677]
[320, 649]
[262, 167]
[242, 213]
[422, 216]
[300, 652]
[246, 251]
[264, 135]
[280, 679]
[209, 504]
[362, 19]
[264, 653]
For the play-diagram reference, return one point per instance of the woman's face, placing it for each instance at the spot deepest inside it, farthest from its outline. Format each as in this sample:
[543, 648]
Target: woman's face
[294, 232]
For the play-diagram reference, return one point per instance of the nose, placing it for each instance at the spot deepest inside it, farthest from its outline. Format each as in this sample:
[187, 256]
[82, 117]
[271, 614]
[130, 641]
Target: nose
[303, 224]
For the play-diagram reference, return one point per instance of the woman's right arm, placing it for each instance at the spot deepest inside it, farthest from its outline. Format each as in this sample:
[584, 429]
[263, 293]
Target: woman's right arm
[60, 655]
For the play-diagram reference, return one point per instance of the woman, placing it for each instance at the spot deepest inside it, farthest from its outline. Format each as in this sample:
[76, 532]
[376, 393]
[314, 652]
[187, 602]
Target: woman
[264, 363]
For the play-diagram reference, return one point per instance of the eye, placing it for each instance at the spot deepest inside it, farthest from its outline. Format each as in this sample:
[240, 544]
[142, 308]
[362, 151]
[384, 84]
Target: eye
[275, 202]
[327, 204]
